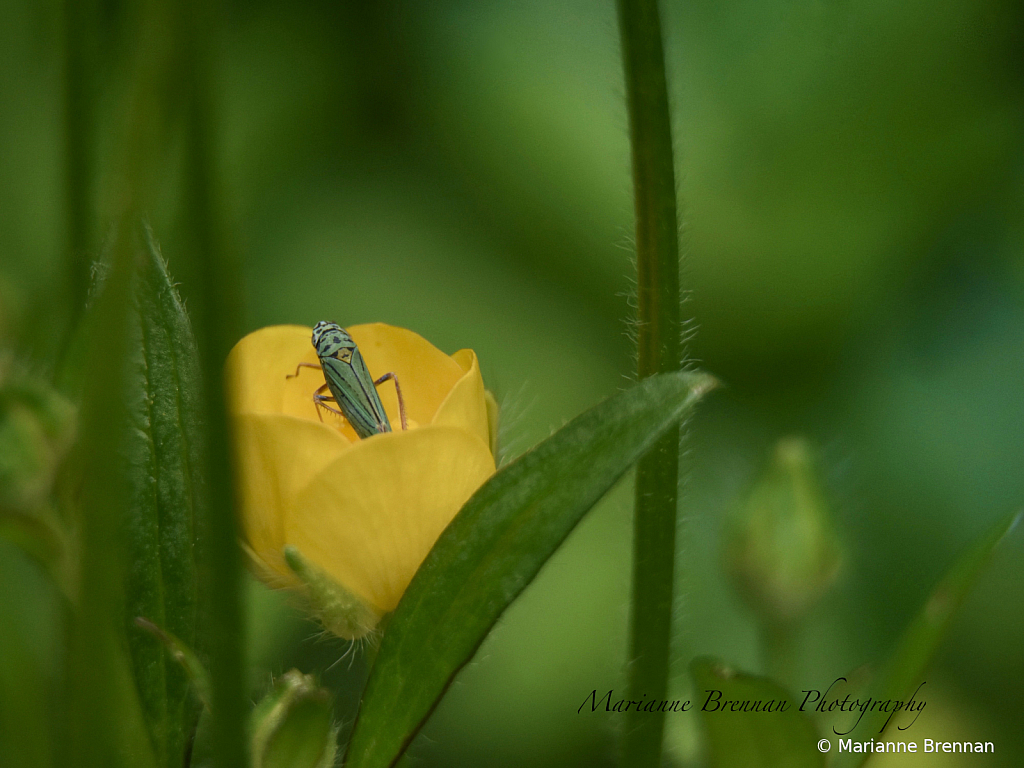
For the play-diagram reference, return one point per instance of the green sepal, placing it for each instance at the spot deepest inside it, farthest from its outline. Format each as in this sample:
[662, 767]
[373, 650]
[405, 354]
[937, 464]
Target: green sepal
[341, 612]
[293, 726]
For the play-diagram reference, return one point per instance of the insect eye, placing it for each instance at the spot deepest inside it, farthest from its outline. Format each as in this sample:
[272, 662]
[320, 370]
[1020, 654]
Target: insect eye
[345, 355]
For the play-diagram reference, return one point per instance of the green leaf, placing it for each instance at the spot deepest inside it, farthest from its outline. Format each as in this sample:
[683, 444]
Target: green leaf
[165, 490]
[494, 547]
[776, 738]
[901, 673]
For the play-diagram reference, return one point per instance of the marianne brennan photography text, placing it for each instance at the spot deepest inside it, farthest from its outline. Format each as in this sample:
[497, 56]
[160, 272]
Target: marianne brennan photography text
[713, 700]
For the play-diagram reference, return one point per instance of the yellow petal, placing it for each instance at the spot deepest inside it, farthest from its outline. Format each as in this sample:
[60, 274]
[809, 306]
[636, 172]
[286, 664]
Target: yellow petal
[258, 370]
[465, 406]
[277, 456]
[425, 373]
[370, 517]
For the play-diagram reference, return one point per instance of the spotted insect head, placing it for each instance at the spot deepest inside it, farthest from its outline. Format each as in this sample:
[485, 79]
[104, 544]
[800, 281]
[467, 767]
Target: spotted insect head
[331, 340]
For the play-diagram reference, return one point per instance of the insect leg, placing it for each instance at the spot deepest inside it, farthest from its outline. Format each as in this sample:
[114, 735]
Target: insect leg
[320, 401]
[398, 389]
[302, 365]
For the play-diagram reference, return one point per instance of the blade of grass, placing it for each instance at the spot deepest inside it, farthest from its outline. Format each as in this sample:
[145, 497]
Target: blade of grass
[659, 349]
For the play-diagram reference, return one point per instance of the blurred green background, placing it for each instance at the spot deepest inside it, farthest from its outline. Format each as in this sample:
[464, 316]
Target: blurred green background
[852, 173]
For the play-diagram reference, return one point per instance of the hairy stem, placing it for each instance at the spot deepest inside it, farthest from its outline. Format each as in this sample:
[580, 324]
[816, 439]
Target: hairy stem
[659, 345]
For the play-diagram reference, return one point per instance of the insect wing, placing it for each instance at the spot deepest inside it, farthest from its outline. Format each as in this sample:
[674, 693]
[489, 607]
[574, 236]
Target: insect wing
[352, 387]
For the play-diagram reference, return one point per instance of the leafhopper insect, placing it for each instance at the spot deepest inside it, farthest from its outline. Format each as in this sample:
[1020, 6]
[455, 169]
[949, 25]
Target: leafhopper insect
[352, 387]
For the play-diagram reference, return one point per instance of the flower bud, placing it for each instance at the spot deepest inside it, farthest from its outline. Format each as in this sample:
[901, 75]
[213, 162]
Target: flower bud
[781, 550]
[293, 726]
[36, 429]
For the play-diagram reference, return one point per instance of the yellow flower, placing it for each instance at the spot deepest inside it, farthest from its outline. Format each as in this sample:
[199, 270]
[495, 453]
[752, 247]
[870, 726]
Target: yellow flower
[359, 515]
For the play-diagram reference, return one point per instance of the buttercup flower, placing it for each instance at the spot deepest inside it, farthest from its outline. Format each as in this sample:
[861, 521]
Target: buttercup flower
[347, 520]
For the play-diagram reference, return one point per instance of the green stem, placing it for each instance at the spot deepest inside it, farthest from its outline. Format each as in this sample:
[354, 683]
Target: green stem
[659, 344]
[216, 311]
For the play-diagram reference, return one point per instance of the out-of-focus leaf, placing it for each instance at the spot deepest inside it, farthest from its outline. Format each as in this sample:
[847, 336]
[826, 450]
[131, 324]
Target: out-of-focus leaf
[165, 488]
[28, 655]
[752, 739]
[493, 549]
[105, 723]
[293, 726]
[901, 674]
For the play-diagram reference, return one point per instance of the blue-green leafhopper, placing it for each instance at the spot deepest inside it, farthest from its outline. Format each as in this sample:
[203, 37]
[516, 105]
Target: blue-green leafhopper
[352, 387]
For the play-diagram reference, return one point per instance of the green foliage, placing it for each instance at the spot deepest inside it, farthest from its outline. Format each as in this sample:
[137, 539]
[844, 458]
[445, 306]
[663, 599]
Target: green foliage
[494, 547]
[748, 739]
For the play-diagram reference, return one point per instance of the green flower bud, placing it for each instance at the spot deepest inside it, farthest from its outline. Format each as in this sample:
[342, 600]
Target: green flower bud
[781, 549]
[293, 726]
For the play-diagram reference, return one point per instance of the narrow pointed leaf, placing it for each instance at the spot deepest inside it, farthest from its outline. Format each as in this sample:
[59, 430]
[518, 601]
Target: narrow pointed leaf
[165, 492]
[493, 549]
[901, 674]
[775, 735]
